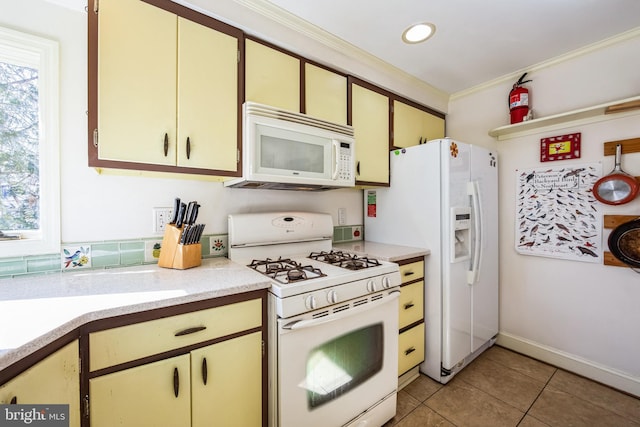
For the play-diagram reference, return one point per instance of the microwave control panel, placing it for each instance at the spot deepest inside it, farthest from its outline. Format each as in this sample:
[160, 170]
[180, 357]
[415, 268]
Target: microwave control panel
[345, 161]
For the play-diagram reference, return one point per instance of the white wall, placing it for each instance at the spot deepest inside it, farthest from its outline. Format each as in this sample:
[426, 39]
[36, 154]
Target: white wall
[106, 207]
[577, 315]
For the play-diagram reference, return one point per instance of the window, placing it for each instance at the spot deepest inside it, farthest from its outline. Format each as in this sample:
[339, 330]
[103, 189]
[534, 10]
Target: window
[29, 146]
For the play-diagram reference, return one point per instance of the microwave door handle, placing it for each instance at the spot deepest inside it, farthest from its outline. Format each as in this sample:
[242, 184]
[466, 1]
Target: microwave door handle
[336, 159]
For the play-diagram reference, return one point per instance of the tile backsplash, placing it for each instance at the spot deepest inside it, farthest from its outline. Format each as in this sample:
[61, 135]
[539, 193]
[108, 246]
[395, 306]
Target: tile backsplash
[113, 254]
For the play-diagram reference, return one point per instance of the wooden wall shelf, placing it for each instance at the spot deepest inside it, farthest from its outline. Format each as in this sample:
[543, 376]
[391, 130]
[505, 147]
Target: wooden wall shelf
[611, 222]
[589, 113]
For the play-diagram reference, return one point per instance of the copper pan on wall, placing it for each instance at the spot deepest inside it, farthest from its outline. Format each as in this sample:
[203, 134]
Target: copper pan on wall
[618, 187]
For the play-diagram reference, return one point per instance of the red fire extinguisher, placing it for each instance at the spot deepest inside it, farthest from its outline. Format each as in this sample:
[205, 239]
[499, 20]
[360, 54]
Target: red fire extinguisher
[519, 100]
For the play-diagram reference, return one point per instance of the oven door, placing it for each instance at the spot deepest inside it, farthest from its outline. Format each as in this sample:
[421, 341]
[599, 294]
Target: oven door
[338, 362]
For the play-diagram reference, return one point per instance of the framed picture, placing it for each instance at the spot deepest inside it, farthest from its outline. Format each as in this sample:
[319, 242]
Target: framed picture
[561, 147]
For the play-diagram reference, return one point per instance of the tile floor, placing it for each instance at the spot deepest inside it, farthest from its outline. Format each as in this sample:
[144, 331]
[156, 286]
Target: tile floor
[503, 388]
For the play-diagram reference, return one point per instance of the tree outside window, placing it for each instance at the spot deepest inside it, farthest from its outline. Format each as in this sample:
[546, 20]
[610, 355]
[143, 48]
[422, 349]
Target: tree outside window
[19, 148]
[29, 145]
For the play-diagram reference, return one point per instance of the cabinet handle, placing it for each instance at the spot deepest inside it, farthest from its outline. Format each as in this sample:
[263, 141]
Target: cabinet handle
[14, 400]
[408, 352]
[409, 273]
[358, 168]
[408, 306]
[190, 331]
[166, 144]
[204, 371]
[176, 382]
[188, 148]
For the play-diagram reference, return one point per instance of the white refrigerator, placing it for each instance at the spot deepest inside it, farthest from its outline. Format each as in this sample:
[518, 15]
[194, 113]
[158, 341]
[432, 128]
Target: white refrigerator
[444, 197]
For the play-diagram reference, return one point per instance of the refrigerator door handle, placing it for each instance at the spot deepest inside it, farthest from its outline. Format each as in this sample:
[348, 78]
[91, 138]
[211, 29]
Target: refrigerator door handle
[476, 203]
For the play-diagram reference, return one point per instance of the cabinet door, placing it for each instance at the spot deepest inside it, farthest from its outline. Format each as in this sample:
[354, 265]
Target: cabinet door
[54, 380]
[325, 94]
[432, 126]
[370, 119]
[143, 396]
[412, 125]
[410, 348]
[230, 393]
[136, 82]
[271, 77]
[207, 97]
[407, 125]
[411, 304]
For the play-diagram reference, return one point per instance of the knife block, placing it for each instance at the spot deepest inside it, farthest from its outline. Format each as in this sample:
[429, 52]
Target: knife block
[175, 255]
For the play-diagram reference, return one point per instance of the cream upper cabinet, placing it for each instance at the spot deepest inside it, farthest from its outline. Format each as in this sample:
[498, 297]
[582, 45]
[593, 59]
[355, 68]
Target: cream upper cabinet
[325, 94]
[155, 394]
[370, 119]
[413, 126]
[207, 98]
[54, 380]
[136, 82]
[271, 77]
[167, 89]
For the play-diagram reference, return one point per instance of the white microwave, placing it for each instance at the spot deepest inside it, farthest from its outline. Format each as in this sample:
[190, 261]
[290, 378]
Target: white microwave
[293, 151]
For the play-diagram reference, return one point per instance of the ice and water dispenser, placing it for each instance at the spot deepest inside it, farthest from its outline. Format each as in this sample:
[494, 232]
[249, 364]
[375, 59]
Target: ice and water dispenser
[460, 233]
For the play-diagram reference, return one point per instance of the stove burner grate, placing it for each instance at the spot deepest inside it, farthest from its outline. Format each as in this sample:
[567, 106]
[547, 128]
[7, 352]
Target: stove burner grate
[344, 260]
[286, 270]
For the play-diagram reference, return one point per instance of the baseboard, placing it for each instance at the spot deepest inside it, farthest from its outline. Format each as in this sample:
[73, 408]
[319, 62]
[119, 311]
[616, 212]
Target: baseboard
[572, 363]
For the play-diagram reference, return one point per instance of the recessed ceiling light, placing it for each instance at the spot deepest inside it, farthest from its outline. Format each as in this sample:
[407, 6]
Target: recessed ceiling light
[418, 32]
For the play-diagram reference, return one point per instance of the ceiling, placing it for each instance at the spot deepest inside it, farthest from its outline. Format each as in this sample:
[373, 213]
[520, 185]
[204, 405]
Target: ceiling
[475, 41]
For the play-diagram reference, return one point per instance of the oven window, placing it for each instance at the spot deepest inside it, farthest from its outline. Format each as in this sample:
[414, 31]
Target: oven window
[342, 364]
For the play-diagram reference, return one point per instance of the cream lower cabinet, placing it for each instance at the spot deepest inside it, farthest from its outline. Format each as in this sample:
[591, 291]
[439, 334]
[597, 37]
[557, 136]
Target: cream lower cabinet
[54, 380]
[167, 89]
[217, 385]
[226, 383]
[155, 394]
[413, 126]
[199, 368]
[411, 341]
[370, 119]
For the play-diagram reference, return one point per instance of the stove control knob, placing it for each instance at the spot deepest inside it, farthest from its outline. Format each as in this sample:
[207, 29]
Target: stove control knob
[386, 282]
[310, 302]
[332, 297]
[371, 286]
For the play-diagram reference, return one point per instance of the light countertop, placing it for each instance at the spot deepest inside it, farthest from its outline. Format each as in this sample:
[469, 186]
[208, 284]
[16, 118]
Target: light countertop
[381, 251]
[36, 310]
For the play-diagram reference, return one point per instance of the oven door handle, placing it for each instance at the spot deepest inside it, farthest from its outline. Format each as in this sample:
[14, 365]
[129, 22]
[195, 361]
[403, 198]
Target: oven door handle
[303, 324]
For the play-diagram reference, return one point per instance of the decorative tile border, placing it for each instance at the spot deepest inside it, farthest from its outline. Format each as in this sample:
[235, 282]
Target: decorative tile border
[113, 254]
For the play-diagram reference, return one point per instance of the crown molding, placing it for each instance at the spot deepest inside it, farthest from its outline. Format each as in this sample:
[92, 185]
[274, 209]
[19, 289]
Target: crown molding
[549, 63]
[293, 22]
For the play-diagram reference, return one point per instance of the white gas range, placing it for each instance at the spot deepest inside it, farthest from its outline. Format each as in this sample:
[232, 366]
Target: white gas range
[333, 321]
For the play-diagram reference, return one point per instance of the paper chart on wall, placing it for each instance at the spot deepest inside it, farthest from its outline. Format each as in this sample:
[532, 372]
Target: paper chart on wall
[556, 213]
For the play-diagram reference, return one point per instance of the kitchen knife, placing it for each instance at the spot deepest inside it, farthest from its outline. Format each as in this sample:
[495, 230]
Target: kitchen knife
[176, 206]
[190, 218]
[192, 234]
[188, 234]
[194, 214]
[187, 212]
[181, 212]
[199, 232]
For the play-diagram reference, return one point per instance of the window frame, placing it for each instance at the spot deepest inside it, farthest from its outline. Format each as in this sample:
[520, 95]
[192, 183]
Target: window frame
[30, 50]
